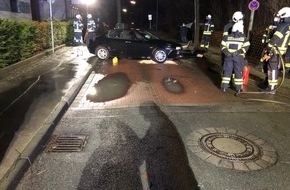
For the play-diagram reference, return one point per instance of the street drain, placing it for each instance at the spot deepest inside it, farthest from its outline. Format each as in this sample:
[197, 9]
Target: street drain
[67, 143]
[231, 149]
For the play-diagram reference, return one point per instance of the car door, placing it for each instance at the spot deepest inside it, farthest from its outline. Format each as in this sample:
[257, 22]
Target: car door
[116, 43]
[136, 46]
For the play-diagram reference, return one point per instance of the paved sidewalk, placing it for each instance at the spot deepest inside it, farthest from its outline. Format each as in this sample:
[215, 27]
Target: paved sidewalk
[76, 61]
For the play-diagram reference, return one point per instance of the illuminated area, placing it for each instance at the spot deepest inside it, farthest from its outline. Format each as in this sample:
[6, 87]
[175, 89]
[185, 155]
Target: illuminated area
[148, 61]
[92, 90]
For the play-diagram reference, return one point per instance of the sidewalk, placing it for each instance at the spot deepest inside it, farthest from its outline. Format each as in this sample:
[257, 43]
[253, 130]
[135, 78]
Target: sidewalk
[49, 106]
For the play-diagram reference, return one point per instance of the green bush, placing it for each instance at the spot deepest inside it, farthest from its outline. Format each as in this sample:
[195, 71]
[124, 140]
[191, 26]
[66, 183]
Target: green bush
[20, 40]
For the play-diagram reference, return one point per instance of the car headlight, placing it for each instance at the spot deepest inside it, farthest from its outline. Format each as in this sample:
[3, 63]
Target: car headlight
[178, 48]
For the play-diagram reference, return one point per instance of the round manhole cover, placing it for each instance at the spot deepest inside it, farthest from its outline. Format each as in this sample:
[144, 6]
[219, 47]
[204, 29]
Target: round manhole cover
[231, 149]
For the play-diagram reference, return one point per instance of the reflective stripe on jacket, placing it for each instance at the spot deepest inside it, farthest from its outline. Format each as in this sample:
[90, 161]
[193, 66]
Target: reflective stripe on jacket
[281, 38]
[235, 42]
[208, 28]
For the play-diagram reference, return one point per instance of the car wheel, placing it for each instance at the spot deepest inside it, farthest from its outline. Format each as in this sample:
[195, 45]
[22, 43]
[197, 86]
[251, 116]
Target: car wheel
[102, 52]
[159, 56]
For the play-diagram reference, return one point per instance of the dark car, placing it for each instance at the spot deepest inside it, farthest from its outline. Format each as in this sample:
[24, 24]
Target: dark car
[134, 43]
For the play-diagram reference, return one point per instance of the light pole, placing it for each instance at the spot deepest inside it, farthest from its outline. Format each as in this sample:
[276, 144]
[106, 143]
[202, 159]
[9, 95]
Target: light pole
[51, 24]
[89, 2]
[156, 14]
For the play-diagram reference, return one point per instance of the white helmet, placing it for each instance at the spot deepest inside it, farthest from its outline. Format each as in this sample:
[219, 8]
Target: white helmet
[238, 16]
[89, 16]
[238, 27]
[208, 17]
[284, 12]
[78, 16]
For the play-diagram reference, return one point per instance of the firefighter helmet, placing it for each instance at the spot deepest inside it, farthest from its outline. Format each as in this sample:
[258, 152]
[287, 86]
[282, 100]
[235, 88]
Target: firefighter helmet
[78, 16]
[89, 16]
[238, 16]
[284, 12]
[238, 27]
[208, 17]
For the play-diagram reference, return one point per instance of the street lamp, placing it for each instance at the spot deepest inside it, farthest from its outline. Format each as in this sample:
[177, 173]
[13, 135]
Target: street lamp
[89, 2]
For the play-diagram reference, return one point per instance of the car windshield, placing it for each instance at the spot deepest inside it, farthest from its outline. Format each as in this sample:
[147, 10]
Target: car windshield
[147, 35]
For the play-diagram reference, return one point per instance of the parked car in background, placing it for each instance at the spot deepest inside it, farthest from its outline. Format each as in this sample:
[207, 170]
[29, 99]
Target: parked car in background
[135, 43]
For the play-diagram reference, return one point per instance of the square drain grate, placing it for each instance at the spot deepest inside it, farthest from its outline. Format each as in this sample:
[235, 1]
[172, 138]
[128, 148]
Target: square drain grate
[67, 143]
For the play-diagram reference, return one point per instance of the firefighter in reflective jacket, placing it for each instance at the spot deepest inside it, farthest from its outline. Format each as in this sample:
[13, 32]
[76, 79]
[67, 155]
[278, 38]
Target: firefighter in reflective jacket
[269, 32]
[234, 46]
[237, 17]
[207, 31]
[280, 39]
[78, 29]
[91, 29]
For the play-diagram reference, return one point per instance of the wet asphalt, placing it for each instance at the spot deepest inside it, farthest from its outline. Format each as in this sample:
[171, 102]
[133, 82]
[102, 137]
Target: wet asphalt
[31, 91]
[142, 145]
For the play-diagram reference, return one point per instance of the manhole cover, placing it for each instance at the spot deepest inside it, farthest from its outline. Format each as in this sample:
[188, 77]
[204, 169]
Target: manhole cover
[230, 146]
[231, 149]
[67, 143]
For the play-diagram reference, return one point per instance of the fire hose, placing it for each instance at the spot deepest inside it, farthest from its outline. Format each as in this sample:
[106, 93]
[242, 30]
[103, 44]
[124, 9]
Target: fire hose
[271, 91]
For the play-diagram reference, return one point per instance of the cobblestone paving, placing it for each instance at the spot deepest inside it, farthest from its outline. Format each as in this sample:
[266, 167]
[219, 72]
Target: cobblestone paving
[148, 79]
[233, 149]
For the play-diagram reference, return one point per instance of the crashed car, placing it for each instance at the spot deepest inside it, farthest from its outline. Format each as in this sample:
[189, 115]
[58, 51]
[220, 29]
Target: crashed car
[135, 43]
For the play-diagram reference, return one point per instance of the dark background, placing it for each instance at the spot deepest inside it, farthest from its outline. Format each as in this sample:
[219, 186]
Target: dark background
[172, 13]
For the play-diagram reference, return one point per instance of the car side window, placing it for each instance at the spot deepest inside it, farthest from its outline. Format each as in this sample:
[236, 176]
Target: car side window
[114, 34]
[125, 34]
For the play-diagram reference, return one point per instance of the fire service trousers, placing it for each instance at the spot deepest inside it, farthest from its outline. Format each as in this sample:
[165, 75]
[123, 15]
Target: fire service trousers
[233, 64]
[273, 69]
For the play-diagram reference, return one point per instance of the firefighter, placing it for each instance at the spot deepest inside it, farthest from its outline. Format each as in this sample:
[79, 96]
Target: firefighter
[281, 40]
[78, 29]
[269, 32]
[207, 31]
[91, 29]
[237, 17]
[234, 46]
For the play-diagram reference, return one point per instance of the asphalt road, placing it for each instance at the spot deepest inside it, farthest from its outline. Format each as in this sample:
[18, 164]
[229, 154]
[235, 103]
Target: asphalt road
[139, 139]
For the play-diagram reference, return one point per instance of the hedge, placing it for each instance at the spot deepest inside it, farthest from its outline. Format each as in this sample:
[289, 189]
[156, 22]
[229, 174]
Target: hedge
[20, 40]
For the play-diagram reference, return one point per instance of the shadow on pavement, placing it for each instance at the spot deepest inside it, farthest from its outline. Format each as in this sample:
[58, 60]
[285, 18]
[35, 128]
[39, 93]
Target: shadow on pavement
[125, 161]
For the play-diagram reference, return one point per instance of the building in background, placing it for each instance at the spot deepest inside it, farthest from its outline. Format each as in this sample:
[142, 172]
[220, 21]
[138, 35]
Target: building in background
[15, 9]
[37, 10]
